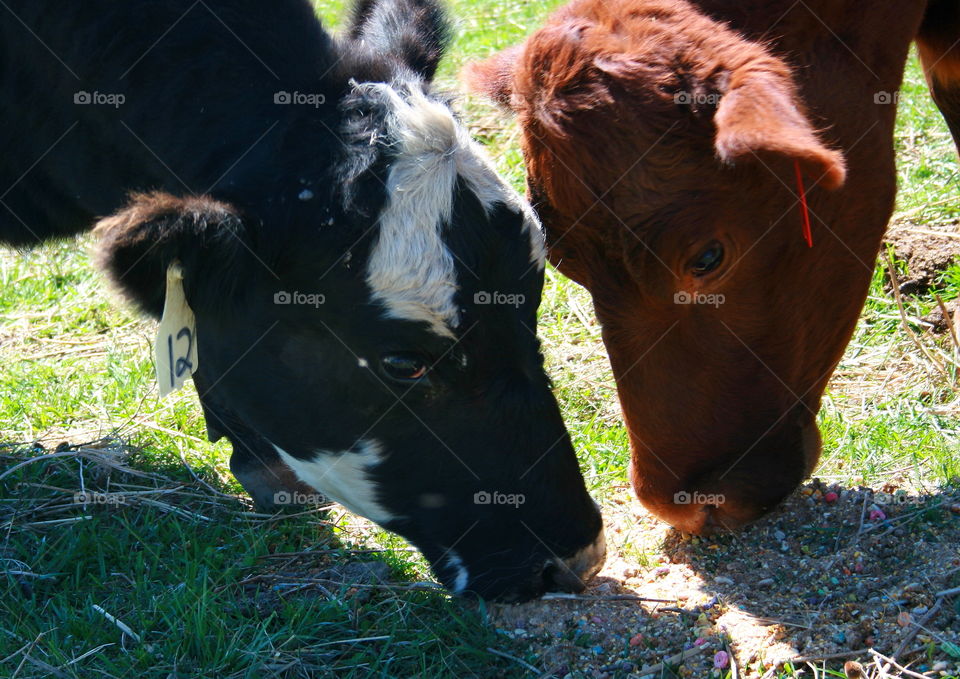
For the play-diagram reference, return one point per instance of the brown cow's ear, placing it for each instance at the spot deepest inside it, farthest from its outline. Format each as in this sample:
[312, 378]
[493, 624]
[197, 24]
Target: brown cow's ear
[493, 77]
[759, 117]
[137, 244]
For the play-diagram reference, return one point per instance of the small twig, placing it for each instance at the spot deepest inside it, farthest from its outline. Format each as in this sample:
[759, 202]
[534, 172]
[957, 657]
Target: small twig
[39, 458]
[863, 514]
[46, 667]
[163, 506]
[16, 653]
[680, 611]
[321, 552]
[948, 319]
[523, 663]
[930, 232]
[818, 658]
[29, 574]
[893, 523]
[897, 298]
[330, 595]
[89, 653]
[123, 627]
[51, 522]
[26, 654]
[914, 631]
[672, 660]
[289, 581]
[563, 596]
[733, 660]
[358, 640]
[916, 628]
[832, 656]
[890, 662]
[203, 483]
[948, 592]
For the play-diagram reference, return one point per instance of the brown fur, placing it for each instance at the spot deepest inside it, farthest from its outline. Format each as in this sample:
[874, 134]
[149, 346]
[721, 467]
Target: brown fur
[939, 46]
[655, 128]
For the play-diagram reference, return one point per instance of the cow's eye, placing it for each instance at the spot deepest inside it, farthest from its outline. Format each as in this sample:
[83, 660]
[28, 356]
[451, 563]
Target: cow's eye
[405, 367]
[708, 260]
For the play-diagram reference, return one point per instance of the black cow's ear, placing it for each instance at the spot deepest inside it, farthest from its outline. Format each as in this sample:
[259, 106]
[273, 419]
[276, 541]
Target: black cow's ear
[138, 244]
[413, 33]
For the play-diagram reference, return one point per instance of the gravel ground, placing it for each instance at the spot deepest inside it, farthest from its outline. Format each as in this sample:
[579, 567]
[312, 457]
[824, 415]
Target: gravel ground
[833, 572]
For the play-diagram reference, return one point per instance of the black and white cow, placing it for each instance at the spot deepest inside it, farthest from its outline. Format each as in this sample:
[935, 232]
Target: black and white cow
[274, 164]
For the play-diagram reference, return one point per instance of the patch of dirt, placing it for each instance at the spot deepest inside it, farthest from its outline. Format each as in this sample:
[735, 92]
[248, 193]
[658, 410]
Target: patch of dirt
[939, 321]
[926, 253]
[831, 573]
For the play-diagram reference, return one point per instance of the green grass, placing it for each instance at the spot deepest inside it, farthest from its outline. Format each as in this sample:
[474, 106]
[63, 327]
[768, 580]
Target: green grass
[76, 366]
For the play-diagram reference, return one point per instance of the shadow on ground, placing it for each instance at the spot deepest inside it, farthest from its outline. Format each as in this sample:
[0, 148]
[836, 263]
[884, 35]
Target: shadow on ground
[117, 561]
[827, 576]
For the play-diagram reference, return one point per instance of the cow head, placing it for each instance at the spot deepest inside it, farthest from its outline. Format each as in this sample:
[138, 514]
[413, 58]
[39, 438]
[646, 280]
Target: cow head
[662, 151]
[366, 324]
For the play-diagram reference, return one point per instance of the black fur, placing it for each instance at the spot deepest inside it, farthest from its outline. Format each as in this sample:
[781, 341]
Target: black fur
[408, 33]
[201, 165]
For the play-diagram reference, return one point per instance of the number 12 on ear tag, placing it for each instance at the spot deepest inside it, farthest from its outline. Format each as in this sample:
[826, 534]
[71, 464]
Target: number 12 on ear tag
[176, 347]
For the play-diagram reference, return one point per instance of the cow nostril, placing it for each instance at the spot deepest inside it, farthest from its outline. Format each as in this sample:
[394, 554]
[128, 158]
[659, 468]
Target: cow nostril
[557, 576]
[572, 574]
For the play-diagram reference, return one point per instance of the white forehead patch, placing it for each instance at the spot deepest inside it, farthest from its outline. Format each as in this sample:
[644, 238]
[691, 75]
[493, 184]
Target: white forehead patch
[343, 477]
[411, 272]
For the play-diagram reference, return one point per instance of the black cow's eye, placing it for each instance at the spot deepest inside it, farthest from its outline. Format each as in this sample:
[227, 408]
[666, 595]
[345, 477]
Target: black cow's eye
[708, 260]
[404, 367]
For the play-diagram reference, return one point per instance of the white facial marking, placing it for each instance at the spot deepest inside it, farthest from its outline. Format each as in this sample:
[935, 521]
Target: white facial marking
[343, 476]
[462, 579]
[411, 271]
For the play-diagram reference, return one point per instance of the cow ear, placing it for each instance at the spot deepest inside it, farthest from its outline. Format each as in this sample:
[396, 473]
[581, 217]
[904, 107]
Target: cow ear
[139, 243]
[411, 32]
[493, 77]
[759, 119]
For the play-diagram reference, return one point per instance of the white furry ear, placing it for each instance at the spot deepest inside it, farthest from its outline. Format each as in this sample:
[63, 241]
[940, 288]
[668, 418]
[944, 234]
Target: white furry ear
[759, 115]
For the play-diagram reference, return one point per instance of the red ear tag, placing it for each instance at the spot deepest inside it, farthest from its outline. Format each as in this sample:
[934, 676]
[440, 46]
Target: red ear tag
[804, 210]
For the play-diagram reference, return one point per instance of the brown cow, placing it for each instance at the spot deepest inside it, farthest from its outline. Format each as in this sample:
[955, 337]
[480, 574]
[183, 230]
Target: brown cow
[668, 144]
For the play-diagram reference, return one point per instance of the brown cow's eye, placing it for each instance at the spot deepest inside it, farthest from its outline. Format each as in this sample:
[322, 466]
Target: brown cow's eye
[404, 367]
[708, 260]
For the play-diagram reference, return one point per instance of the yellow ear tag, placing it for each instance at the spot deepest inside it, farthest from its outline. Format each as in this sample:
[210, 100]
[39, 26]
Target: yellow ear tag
[176, 347]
